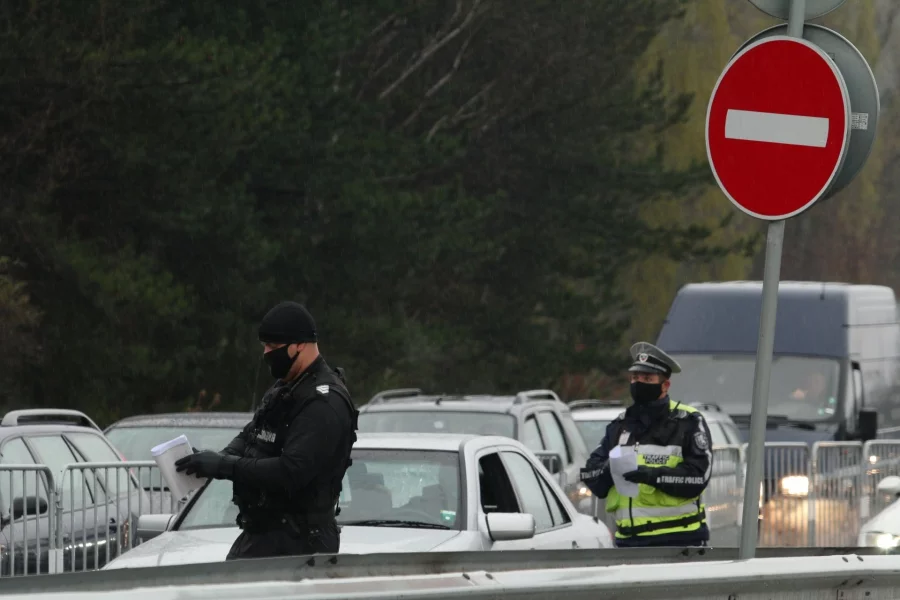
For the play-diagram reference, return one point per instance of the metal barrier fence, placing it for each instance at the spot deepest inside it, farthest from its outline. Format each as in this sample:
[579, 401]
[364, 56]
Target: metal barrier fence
[810, 496]
[76, 520]
[86, 515]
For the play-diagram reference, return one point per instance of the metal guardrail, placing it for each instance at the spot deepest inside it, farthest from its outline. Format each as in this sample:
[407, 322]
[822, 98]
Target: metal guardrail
[392, 565]
[817, 496]
[75, 520]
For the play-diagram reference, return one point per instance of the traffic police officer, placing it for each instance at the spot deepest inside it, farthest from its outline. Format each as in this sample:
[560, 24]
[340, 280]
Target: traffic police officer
[672, 444]
[288, 463]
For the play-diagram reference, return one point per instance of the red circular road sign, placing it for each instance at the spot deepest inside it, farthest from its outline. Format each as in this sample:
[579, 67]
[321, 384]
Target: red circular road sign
[778, 127]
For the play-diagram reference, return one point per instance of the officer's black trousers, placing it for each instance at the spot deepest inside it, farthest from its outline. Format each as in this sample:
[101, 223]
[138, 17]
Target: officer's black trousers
[317, 539]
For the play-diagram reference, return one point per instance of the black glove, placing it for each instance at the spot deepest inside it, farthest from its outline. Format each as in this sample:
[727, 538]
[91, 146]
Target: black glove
[207, 464]
[644, 475]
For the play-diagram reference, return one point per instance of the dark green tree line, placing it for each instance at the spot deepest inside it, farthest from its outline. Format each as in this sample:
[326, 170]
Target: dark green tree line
[452, 187]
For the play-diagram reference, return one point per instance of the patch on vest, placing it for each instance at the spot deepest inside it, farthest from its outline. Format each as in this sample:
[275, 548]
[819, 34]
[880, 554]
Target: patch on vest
[266, 436]
[656, 459]
[322, 389]
[700, 440]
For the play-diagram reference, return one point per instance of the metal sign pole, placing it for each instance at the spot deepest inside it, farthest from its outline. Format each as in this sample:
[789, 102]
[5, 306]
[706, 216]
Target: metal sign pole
[764, 350]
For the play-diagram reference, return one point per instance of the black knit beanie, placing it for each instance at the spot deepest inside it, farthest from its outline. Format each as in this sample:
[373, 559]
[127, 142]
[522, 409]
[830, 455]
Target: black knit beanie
[287, 323]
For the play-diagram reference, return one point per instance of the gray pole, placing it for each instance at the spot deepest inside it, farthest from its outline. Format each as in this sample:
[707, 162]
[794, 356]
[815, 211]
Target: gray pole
[764, 349]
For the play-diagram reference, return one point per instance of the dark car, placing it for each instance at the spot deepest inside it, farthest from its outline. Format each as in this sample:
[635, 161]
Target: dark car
[135, 436]
[46, 500]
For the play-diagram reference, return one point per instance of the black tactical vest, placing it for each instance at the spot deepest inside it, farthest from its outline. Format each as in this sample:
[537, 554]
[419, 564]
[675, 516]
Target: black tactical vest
[266, 439]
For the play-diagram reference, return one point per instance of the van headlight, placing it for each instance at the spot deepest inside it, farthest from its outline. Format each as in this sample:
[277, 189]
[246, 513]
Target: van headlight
[875, 539]
[795, 485]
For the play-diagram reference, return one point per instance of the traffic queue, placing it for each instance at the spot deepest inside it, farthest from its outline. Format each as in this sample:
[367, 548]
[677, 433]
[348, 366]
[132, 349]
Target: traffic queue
[411, 471]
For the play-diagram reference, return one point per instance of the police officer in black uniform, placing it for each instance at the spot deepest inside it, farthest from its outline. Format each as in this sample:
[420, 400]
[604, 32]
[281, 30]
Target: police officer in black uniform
[674, 457]
[288, 462]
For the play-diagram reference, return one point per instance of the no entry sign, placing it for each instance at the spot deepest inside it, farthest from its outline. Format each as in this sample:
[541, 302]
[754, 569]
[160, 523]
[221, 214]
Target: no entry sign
[778, 127]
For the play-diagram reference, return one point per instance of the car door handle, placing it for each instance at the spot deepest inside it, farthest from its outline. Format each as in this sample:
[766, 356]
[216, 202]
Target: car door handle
[574, 544]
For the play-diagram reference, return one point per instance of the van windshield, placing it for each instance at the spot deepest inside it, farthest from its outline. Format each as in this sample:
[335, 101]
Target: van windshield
[801, 388]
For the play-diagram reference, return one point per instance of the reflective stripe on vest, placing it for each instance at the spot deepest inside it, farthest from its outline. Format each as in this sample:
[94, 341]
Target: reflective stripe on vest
[654, 512]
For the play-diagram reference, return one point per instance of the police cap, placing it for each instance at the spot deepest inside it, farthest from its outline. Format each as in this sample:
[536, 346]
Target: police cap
[650, 359]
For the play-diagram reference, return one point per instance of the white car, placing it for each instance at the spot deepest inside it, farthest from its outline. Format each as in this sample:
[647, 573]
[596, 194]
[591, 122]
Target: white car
[883, 530]
[404, 493]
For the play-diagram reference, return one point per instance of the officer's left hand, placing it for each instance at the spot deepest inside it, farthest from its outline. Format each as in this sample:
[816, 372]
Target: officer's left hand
[207, 464]
[642, 475]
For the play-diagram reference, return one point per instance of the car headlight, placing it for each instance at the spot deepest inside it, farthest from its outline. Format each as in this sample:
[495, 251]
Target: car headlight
[875, 539]
[795, 485]
[583, 491]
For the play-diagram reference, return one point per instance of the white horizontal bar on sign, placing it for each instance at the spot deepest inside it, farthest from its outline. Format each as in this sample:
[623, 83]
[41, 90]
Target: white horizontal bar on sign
[775, 128]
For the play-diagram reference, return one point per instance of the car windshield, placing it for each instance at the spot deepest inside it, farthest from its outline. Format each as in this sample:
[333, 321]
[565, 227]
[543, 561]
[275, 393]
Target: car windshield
[135, 443]
[592, 431]
[801, 388]
[383, 488]
[438, 421]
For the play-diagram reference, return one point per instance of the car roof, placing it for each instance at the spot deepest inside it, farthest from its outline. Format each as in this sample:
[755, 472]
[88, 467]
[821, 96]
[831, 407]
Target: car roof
[448, 442]
[498, 404]
[186, 419]
[46, 420]
[589, 412]
[45, 428]
[413, 399]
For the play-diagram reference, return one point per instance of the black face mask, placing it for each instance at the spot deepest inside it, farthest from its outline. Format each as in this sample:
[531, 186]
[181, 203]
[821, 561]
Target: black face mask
[645, 393]
[279, 361]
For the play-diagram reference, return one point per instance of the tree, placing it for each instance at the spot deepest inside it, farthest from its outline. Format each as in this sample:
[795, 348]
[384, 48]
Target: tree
[454, 188]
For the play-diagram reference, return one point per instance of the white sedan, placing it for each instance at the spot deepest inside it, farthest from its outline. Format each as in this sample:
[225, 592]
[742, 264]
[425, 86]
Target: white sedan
[404, 493]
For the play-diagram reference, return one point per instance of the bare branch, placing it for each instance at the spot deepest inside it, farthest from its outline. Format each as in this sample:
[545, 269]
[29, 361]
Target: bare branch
[440, 83]
[429, 51]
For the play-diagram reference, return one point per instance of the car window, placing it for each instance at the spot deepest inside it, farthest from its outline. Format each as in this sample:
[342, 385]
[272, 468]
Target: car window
[531, 496]
[718, 436]
[422, 487]
[559, 514]
[531, 436]
[438, 421]
[54, 452]
[15, 452]
[593, 432]
[556, 440]
[734, 436]
[93, 448]
[135, 443]
[495, 489]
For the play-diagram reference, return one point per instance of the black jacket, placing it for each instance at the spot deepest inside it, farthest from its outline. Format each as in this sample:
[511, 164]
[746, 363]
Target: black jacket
[294, 452]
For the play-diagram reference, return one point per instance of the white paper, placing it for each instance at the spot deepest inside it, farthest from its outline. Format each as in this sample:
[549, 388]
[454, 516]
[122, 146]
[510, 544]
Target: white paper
[622, 459]
[165, 455]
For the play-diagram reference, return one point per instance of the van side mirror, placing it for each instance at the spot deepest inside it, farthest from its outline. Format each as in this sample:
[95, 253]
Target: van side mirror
[30, 505]
[868, 424]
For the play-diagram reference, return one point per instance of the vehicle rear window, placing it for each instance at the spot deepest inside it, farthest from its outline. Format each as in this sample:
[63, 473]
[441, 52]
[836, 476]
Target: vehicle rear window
[420, 421]
[592, 431]
[135, 442]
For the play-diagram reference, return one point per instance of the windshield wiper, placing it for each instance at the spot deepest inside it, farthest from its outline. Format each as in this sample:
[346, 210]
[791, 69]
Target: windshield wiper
[774, 421]
[393, 523]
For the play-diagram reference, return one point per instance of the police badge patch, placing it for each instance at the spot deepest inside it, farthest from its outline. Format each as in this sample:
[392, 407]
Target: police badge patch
[701, 441]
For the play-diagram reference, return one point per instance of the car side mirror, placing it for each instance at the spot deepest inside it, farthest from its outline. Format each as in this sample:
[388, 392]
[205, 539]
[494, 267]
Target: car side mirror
[890, 485]
[868, 424]
[508, 527]
[150, 526]
[29, 505]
